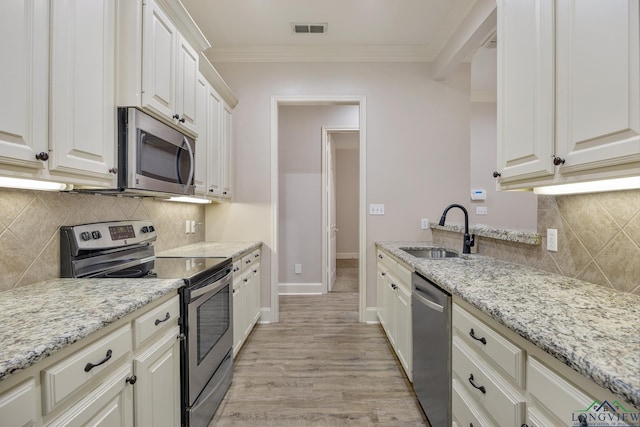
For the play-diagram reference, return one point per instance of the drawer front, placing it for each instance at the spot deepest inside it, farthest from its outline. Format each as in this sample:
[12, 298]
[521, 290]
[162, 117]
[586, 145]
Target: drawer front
[387, 261]
[247, 261]
[237, 268]
[556, 394]
[464, 409]
[485, 340]
[68, 375]
[499, 400]
[158, 319]
[256, 255]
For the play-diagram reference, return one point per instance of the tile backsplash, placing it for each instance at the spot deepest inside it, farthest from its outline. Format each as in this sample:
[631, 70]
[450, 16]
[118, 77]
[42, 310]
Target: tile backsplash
[30, 223]
[598, 239]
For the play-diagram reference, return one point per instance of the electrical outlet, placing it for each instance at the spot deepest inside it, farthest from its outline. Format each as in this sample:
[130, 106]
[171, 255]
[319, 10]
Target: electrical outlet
[424, 223]
[193, 226]
[297, 268]
[376, 209]
[187, 227]
[552, 239]
[481, 210]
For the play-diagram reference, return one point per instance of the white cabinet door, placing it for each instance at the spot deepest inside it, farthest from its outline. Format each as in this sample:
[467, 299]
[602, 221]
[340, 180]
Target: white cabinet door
[158, 60]
[255, 294]
[238, 315]
[200, 175]
[157, 389]
[18, 405]
[186, 84]
[404, 343]
[24, 81]
[227, 138]
[109, 404]
[83, 110]
[525, 89]
[598, 89]
[381, 296]
[214, 145]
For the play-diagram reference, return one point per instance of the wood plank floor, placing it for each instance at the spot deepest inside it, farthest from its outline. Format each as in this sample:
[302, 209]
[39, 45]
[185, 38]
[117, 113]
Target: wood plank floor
[318, 367]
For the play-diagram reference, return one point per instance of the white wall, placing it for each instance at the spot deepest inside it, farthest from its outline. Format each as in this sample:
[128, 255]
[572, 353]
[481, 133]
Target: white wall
[417, 147]
[347, 197]
[300, 186]
[516, 210]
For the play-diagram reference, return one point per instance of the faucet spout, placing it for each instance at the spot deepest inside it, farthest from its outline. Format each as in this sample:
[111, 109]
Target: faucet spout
[469, 240]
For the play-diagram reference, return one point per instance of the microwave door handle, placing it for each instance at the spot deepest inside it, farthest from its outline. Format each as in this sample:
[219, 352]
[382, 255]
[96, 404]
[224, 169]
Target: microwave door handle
[191, 162]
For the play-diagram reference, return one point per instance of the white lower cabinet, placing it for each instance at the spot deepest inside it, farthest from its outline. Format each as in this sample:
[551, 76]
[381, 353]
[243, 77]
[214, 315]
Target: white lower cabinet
[501, 379]
[246, 297]
[157, 371]
[18, 404]
[394, 308]
[125, 374]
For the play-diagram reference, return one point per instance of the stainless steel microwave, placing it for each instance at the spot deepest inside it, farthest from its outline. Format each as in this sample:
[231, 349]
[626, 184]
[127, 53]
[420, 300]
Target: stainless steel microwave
[153, 157]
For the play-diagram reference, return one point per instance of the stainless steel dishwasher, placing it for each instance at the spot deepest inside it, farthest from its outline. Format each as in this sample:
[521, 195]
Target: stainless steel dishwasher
[431, 321]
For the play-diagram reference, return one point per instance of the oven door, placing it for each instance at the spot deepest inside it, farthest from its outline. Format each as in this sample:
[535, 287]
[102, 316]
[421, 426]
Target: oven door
[209, 333]
[159, 157]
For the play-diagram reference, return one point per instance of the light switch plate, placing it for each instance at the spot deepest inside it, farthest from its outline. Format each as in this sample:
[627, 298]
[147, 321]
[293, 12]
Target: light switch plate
[481, 210]
[552, 239]
[376, 209]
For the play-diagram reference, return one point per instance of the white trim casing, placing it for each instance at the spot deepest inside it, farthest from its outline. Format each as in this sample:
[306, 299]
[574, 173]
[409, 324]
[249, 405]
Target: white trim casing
[276, 101]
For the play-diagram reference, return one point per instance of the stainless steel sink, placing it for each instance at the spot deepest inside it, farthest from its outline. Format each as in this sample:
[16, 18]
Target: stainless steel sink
[431, 253]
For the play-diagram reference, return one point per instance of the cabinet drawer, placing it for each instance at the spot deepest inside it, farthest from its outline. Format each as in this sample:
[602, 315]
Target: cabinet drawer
[256, 255]
[464, 409]
[237, 266]
[247, 261]
[506, 355]
[68, 375]
[158, 319]
[555, 393]
[499, 400]
[387, 261]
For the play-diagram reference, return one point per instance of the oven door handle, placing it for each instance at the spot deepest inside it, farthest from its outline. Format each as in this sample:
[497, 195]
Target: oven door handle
[212, 287]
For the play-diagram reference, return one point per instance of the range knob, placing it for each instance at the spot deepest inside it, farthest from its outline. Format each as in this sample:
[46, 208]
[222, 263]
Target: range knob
[85, 235]
[145, 229]
[96, 234]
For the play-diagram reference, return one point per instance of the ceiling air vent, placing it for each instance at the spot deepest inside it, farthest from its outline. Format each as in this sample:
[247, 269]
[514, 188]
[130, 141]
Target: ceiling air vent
[309, 28]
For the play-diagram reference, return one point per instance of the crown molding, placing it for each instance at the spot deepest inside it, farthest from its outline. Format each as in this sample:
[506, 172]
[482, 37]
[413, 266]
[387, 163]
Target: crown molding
[320, 53]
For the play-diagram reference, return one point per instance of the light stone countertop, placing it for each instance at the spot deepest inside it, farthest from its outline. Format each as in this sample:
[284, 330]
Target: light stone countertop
[231, 249]
[590, 328]
[41, 319]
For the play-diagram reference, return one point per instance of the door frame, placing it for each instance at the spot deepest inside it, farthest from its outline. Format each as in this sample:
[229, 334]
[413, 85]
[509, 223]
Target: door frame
[276, 101]
[326, 131]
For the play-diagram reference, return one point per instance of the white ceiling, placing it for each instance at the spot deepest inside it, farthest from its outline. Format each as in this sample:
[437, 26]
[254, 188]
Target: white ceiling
[388, 29]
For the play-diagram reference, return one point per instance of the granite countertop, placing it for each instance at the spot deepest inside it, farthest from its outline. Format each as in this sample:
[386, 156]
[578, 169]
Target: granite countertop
[212, 249]
[41, 319]
[590, 328]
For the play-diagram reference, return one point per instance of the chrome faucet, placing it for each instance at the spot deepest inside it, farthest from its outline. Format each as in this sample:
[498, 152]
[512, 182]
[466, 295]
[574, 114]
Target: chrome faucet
[468, 240]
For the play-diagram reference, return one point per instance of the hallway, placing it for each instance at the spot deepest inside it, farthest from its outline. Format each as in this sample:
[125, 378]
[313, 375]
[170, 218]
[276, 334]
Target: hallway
[318, 367]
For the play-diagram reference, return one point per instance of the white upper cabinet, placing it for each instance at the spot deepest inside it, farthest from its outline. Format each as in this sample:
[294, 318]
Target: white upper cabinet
[227, 138]
[598, 90]
[83, 113]
[24, 87]
[158, 55]
[569, 91]
[200, 174]
[525, 95]
[214, 143]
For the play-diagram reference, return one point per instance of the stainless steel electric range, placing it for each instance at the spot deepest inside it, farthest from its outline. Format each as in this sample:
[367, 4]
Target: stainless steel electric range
[124, 249]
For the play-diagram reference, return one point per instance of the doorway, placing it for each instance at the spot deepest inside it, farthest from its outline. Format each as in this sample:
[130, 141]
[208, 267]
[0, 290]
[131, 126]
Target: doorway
[276, 102]
[340, 146]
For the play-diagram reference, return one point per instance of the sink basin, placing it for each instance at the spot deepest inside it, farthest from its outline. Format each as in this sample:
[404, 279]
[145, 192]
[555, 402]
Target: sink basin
[431, 253]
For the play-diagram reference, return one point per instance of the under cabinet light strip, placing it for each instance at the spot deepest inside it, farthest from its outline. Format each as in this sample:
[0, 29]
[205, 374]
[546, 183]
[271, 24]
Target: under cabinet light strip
[31, 184]
[185, 199]
[630, 183]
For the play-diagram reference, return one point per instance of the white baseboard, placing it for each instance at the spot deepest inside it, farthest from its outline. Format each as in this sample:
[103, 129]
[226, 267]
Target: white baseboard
[371, 315]
[300, 289]
[265, 315]
[347, 255]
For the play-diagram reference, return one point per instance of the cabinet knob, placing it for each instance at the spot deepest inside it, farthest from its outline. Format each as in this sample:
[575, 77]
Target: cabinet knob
[132, 379]
[496, 174]
[175, 116]
[44, 156]
[182, 337]
[558, 161]
[182, 120]
[211, 190]
[224, 192]
[113, 170]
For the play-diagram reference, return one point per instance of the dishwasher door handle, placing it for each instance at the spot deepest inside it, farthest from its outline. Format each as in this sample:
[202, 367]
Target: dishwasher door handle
[432, 305]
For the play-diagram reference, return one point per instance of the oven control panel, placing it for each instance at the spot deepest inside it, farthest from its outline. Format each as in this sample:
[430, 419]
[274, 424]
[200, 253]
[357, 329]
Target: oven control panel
[103, 235]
